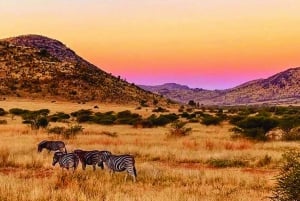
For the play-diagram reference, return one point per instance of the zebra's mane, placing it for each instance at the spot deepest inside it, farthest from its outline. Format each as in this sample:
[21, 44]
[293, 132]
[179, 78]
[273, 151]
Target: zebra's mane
[42, 142]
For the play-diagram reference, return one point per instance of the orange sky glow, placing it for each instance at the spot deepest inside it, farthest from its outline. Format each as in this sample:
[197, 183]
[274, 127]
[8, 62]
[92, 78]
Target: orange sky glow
[206, 44]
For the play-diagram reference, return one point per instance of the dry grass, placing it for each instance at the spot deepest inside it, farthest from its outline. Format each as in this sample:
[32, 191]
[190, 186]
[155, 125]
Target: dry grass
[168, 168]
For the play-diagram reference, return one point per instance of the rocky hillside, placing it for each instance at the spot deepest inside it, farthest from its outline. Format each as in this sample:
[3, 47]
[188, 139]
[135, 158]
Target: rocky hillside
[282, 88]
[39, 67]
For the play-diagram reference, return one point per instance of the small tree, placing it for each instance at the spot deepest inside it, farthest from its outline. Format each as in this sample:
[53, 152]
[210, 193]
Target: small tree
[288, 181]
[192, 103]
[178, 129]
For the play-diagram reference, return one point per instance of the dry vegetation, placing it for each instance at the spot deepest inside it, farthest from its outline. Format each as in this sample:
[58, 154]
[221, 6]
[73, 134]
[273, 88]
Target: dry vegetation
[205, 165]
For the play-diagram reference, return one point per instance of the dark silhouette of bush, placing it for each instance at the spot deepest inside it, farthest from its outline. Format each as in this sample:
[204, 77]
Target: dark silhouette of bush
[188, 116]
[17, 111]
[236, 118]
[288, 181]
[160, 109]
[83, 115]
[256, 126]
[58, 117]
[37, 119]
[210, 120]
[2, 112]
[3, 121]
[126, 117]
[161, 120]
[107, 118]
[178, 128]
[288, 122]
[67, 133]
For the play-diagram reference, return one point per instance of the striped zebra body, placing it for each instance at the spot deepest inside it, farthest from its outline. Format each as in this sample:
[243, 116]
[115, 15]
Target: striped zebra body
[90, 158]
[67, 161]
[52, 146]
[119, 163]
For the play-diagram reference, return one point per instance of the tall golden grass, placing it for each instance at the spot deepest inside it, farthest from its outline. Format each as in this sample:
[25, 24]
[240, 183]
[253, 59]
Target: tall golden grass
[174, 169]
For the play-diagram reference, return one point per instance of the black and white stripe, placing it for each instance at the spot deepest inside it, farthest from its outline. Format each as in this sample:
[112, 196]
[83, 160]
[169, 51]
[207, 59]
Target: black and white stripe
[67, 161]
[52, 146]
[119, 163]
[91, 157]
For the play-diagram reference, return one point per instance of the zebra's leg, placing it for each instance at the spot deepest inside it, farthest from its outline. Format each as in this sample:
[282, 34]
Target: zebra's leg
[125, 177]
[94, 167]
[83, 165]
[132, 172]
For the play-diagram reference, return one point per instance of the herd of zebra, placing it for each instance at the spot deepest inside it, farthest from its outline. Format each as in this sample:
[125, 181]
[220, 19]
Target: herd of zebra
[115, 163]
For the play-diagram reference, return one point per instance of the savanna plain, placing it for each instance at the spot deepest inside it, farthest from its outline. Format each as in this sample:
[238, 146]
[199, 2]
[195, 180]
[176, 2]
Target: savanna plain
[168, 168]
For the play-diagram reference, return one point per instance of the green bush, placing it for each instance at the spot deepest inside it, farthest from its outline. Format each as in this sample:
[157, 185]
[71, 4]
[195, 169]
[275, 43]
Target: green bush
[224, 163]
[2, 112]
[211, 120]
[288, 122]
[58, 117]
[288, 181]
[126, 117]
[17, 111]
[178, 128]
[3, 121]
[160, 109]
[66, 133]
[256, 126]
[107, 118]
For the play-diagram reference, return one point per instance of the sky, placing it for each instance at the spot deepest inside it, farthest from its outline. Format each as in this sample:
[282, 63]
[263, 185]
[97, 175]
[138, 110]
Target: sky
[213, 44]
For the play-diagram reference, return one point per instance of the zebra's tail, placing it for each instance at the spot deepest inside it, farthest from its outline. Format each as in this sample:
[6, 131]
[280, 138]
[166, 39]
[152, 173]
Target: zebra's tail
[66, 150]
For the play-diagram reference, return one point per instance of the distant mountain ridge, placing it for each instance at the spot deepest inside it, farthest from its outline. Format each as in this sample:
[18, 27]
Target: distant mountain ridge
[40, 67]
[281, 88]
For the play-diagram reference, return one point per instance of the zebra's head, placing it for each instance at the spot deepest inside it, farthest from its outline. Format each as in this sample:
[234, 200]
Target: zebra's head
[41, 145]
[79, 153]
[57, 156]
[104, 155]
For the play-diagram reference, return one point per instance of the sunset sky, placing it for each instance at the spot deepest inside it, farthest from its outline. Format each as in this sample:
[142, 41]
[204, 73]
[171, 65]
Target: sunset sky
[211, 44]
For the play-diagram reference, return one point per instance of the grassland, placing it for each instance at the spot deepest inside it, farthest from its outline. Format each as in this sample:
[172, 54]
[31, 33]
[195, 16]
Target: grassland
[206, 165]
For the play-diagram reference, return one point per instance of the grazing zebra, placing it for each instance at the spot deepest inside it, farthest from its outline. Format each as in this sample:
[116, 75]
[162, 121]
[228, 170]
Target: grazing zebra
[52, 146]
[91, 157]
[65, 160]
[118, 163]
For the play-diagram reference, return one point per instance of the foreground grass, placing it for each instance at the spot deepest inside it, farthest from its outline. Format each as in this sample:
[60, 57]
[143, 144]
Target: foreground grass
[205, 165]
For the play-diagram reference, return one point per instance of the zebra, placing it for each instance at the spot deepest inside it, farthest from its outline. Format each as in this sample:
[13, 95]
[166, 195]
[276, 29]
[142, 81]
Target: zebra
[65, 160]
[52, 146]
[91, 158]
[119, 163]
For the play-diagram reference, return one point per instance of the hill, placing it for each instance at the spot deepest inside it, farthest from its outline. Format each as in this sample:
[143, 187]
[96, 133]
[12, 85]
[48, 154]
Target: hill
[281, 88]
[35, 66]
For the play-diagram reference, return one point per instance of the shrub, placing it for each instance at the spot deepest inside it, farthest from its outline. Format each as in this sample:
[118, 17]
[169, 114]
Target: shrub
[223, 163]
[256, 127]
[58, 117]
[82, 115]
[37, 118]
[126, 117]
[288, 181]
[266, 160]
[288, 122]
[17, 111]
[160, 109]
[107, 118]
[3, 121]
[67, 133]
[2, 112]
[211, 120]
[178, 129]
[56, 130]
[42, 122]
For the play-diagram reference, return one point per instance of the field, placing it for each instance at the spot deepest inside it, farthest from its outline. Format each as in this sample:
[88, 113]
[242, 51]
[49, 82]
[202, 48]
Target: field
[206, 165]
